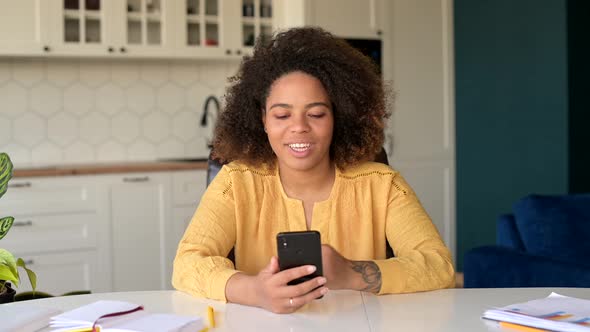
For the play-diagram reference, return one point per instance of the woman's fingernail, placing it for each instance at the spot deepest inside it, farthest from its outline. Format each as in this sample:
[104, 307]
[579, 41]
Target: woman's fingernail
[311, 269]
[324, 290]
[321, 281]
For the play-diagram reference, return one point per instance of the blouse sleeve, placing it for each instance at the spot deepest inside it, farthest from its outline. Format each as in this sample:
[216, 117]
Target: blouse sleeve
[422, 262]
[201, 266]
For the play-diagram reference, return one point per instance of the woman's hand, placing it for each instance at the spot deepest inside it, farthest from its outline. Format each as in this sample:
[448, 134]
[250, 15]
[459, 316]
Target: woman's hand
[342, 273]
[270, 290]
[337, 269]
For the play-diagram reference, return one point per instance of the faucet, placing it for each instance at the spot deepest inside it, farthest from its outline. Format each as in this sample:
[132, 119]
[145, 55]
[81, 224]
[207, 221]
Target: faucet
[206, 113]
[206, 109]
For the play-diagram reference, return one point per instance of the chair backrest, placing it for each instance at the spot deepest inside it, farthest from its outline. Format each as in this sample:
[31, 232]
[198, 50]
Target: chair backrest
[214, 166]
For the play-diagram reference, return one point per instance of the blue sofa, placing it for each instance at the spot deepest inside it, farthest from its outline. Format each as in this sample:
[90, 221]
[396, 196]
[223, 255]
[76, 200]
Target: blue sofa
[545, 242]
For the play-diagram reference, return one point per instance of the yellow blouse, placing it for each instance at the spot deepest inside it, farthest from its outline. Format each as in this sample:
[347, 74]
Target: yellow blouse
[246, 207]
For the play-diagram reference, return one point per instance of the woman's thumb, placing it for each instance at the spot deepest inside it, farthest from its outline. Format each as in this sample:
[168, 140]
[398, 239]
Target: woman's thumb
[273, 266]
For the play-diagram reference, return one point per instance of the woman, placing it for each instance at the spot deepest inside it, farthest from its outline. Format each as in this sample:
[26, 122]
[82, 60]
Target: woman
[304, 116]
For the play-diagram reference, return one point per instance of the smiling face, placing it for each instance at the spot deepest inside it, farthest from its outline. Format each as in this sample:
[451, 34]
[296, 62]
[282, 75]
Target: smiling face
[299, 122]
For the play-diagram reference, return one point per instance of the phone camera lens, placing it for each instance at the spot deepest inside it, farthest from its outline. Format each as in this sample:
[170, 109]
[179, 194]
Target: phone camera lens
[284, 243]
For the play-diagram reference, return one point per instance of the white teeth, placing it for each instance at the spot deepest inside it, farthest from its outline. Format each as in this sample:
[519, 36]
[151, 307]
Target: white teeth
[300, 146]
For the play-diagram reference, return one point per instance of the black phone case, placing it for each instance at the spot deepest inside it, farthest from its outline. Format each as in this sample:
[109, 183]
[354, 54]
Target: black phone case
[300, 248]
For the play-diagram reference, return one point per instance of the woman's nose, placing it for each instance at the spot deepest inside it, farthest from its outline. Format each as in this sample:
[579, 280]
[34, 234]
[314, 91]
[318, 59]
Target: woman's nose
[300, 124]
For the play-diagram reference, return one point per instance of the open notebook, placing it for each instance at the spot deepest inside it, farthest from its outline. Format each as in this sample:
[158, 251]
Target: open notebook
[555, 312]
[138, 320]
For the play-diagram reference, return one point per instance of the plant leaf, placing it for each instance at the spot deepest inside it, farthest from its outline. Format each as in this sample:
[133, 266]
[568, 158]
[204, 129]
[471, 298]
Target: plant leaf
[7, 260]
[5, 224]
[7, 274]
[5, 172]
[32, 276]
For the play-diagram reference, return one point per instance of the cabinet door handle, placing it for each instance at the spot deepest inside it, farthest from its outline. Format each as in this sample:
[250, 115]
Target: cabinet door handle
[111, 49]
[20, 185]
[136, 179]
[46, 48]
[373, 15]
[27, 223]
[29, 262]
[123, 49]
[228, 52]
[238, 52]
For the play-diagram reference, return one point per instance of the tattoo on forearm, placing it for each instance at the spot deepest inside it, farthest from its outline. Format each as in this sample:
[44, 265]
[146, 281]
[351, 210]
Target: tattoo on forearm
[370, 273]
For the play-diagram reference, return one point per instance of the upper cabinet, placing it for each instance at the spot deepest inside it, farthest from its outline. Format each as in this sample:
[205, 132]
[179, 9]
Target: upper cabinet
[358, 19]
[222, 27]
[212, 29]
[22, 27]
[134, 28]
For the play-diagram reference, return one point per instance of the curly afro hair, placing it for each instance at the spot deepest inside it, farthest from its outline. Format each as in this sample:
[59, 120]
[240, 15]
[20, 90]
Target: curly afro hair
[355, 89]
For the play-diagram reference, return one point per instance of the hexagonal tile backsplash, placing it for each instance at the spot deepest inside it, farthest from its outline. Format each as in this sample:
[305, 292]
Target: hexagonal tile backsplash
[60, 111]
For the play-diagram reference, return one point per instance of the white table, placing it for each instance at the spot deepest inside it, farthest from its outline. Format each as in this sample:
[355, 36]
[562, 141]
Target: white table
[442, 310]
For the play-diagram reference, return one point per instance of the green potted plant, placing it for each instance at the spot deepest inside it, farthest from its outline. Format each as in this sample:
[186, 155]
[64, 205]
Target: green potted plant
[8, 263]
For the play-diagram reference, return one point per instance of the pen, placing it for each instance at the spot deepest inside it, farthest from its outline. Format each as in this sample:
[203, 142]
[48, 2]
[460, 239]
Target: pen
[520, 327]
[211, 315]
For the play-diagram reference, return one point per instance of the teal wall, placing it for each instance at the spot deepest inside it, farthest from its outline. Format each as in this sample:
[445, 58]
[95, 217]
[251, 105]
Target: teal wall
[511, 109]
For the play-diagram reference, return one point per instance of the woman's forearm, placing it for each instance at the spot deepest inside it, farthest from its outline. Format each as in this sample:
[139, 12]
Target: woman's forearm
[240, 289]
[365, 276]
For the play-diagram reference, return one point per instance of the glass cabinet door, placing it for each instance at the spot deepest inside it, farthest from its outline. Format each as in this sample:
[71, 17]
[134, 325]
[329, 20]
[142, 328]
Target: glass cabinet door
[202, 23]
[256, 21]
[83, 22]
[144, 22]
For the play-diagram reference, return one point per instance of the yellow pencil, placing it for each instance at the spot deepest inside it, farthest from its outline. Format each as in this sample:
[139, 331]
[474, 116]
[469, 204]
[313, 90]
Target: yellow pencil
[84, 329]
[211, 315]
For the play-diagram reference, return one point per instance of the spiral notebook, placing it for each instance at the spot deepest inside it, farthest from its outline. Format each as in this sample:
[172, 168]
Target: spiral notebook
[123, 317]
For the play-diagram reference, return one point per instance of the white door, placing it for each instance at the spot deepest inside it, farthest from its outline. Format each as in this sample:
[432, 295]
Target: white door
[139, 207]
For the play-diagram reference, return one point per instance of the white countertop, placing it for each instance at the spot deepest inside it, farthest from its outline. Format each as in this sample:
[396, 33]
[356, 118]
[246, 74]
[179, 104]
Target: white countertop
[442, 310]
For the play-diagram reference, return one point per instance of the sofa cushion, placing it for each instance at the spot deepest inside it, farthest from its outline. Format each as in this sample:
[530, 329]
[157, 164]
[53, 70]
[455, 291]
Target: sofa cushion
[555, 226]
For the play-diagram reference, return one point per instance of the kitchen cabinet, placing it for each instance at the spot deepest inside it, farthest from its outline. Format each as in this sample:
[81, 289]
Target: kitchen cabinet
[59, 231]
[359, 19]
[59, 273]
[110, 28]
[211, 29]
[22, 27]
[187, 189]
[101, 232]
[140, 215]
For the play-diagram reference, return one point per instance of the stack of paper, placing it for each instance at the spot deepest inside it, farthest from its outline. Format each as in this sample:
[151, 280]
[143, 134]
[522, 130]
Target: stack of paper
[555, 312]
[85, 316]
[18, 318]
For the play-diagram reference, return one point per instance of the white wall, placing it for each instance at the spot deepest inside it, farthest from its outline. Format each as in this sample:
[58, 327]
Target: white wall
[422, 131]
[75, 111]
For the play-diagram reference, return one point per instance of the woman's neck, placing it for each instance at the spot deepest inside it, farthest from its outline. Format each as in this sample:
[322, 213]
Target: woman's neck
[309, 183]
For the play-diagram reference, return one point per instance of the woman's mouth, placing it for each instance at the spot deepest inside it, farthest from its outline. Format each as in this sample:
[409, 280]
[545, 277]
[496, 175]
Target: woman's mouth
[299, 147]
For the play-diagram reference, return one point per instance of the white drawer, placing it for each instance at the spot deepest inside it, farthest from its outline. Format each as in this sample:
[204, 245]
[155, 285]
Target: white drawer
[59, 273]
[26, 196]
[188, 187]
[34, 234]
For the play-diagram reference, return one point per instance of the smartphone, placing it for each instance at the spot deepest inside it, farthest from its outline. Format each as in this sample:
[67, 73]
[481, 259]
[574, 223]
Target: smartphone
[300, 248]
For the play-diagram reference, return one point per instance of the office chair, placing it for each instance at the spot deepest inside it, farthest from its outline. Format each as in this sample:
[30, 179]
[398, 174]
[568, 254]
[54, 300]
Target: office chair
[214, 166]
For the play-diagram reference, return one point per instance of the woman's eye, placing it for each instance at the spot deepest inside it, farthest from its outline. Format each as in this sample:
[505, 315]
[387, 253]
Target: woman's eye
[280, 116]
[320, 115]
